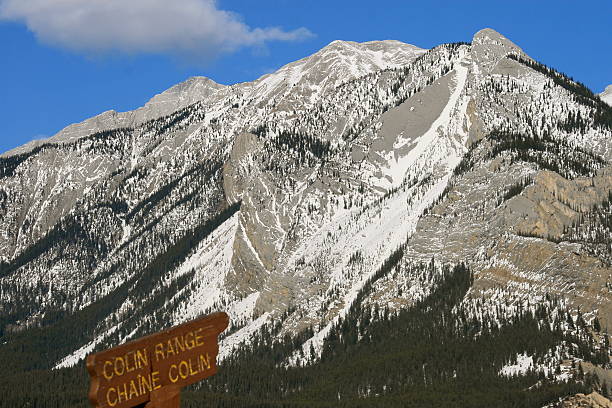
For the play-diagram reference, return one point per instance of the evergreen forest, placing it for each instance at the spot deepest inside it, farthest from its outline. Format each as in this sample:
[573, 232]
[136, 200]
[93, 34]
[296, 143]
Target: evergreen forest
[433, 354]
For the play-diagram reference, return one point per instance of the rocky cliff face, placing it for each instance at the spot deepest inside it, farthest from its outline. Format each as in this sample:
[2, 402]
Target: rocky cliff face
[280, 200]
[593, 400]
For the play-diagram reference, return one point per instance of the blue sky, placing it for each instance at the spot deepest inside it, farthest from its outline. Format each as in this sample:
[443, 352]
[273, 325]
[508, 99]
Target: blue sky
[62, 64]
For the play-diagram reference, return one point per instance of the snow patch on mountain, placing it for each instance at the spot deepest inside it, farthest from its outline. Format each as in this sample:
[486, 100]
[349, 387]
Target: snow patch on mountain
[399, 166]
[524, 363]
[211, 262]
[606, 95]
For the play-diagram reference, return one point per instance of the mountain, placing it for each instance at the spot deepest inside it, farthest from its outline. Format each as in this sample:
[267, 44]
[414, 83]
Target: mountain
[462, 191]
[606, 95]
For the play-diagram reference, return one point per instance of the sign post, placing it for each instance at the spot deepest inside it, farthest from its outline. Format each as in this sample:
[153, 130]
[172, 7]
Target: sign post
[151, 371]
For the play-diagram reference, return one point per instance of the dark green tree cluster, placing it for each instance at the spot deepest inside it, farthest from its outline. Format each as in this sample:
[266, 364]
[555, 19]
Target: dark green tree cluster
[287, 150]
[175, 121]
[515, 189]
[469, 159]
[9, 164]
[105, 142]
[594, 230]
[582, 94]
[137, 215]
[108, 143]
[432, 354]
[547, 152]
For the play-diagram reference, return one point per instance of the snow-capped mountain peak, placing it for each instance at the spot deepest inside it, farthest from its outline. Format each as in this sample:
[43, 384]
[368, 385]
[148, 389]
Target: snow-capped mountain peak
[338, 62]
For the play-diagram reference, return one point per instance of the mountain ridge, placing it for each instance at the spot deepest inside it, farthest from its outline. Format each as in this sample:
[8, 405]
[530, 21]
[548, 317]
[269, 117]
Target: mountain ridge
[186, 93]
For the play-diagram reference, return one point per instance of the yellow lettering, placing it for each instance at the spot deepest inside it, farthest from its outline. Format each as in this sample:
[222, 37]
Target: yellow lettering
[141, 358]
[204, 361]
[145, 383]
[169, 349]
[184, 374]
[105, 373]
[199, 339]
[155, 380]
[179, 343]
[133, 390]
[173, 378]
[159, 351]
[118, 371]
[191, 372]
[124, 393]
[111, 403]
[127, 361]
[139, 381]
[189, 341]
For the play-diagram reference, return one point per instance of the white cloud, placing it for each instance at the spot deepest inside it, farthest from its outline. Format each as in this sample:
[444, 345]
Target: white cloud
[192, 28]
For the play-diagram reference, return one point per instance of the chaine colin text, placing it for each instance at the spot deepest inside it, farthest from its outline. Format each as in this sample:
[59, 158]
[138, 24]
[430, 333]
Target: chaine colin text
[143, 377]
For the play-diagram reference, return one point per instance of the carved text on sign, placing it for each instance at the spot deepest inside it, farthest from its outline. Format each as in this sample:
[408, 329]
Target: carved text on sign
[132, 373]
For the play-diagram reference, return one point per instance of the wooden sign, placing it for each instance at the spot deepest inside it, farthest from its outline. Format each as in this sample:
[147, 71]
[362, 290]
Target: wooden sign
[154, 368]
